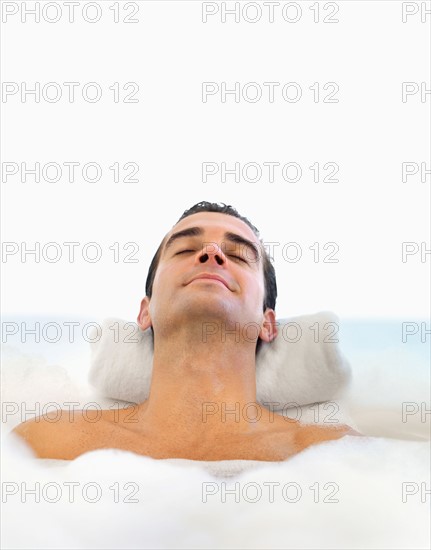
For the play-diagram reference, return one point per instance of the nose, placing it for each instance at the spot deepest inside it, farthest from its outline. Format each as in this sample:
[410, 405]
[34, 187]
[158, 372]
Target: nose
[212, 253]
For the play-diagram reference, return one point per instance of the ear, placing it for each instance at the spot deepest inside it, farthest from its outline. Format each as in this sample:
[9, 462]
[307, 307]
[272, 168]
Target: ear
[268, 330]
[144, 319]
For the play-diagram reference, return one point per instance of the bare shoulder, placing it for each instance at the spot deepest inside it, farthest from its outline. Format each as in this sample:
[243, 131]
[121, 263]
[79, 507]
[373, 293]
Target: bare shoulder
[61, 436]
[305, 435]
[121, 416]
[290, 439]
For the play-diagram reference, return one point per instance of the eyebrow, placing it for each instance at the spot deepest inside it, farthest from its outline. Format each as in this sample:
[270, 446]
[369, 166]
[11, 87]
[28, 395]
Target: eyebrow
[198, 231]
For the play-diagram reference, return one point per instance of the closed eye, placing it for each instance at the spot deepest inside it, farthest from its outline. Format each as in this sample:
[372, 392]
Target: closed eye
[237, 257]
[231, 255]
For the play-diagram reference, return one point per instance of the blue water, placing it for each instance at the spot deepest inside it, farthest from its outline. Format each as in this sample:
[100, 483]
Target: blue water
[374, 334]
[354, 335]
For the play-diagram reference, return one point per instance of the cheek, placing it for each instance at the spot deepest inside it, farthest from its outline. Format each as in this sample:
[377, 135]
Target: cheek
[163, 283]
[256, 288]
[159, 278]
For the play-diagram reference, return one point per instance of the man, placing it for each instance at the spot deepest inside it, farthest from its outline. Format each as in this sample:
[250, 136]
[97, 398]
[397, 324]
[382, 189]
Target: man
[209, 279]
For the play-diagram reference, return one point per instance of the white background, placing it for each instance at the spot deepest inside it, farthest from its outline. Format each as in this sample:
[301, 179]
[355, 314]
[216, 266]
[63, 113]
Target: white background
[170, 52]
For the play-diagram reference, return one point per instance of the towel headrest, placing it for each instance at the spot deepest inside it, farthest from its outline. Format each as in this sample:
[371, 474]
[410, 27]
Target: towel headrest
[302, 365]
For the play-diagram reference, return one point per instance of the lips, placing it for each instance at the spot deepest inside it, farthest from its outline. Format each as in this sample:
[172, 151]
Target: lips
[210, 276]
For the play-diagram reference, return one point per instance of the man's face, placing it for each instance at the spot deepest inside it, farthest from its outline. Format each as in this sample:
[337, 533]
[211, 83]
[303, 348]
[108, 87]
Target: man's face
[182, 294]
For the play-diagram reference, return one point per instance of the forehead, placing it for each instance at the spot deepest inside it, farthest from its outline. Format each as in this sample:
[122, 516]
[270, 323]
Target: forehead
[216, 223]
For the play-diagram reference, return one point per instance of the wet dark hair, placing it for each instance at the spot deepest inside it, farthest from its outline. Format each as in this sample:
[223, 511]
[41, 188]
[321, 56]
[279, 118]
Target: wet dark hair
[221, 208]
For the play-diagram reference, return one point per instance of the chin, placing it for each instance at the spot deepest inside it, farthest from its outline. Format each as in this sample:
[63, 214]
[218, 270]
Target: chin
[209, 308]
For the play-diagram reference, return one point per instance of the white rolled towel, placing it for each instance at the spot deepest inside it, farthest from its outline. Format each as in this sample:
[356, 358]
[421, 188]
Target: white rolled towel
[301, 366]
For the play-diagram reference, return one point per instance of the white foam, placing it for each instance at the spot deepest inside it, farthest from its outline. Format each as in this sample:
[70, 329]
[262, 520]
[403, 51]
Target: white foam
[365, 476]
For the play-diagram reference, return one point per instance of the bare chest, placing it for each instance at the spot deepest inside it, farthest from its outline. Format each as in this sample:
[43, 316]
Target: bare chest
[271, 446]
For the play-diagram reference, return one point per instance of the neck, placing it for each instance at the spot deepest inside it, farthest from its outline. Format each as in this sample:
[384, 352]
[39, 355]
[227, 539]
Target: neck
[203, 389]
